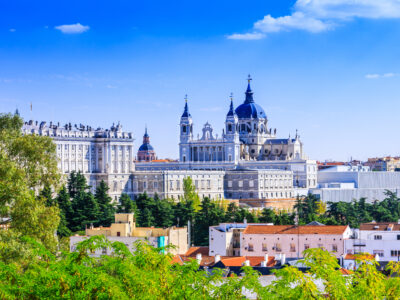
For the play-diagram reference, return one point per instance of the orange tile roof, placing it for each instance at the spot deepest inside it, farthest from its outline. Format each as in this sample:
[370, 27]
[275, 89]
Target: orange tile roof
[362, 256]
[381, 226]
[232, 261]
[291, 229]
[346, 272]
[193, 251]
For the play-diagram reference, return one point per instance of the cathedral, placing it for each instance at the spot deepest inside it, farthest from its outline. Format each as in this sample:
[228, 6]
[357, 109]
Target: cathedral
[246, 137]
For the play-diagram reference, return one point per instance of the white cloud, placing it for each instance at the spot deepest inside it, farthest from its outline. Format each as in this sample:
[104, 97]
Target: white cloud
[12, 30]
[377, 76]
[73, 28]
[246, 36]
[345, 9]
[297, 20]
[109, 86]
[321, 15]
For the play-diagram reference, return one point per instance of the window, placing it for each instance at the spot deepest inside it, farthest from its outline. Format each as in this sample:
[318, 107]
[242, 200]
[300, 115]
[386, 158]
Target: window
[292, 247]
[380, 253]
[395, 253]
[320, 246]
[155, 184]
[230, 183]
[184, 128]
[377, 237]
[250, 247]
[306, 246]
[178, 184]
[278, 247]
[118, 233]
[240, 183]
[334, 248]
[230, 127]
[264, 247]
[145, 185]
[251, 183]
[398, 237]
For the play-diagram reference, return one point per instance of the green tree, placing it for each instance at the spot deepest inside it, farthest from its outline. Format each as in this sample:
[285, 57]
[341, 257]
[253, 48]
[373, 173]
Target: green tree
[106, 207]
[189, 192]
[126, 204]
[27, 164]
[268, 216]
[66, 214]
[163, 212]
[210, 214]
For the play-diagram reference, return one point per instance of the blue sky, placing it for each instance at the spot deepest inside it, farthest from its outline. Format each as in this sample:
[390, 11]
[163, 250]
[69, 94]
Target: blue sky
[330, 68]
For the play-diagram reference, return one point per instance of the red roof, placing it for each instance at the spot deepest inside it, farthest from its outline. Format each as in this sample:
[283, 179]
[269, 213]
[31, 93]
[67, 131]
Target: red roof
[360, 256]
[238, 261]
[292, 229]
[382, 226]
[193, 251]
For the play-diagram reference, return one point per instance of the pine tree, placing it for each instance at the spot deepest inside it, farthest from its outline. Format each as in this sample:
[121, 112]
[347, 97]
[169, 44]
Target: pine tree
[126, 204]
[76, 183]
[64, 204]
[146, 218]
[47, 196]
[106, 207]
[210, 214]
[163, 212]
[86, 211]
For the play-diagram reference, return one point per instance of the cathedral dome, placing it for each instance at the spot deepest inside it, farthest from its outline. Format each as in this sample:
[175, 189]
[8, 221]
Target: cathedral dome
[146, 147]
[249, 109]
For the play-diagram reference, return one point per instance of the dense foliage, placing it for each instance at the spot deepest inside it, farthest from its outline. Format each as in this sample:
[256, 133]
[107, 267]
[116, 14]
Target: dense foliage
[148, 274]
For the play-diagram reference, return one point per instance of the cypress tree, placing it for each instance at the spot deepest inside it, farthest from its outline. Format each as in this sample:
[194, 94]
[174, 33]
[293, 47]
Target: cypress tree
[106, 207]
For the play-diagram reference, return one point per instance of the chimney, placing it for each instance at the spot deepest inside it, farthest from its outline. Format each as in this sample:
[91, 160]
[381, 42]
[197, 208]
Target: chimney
[198, 257]
[266, 257]
[263, 264]
[217, 258]
[377, 257]
[283, 259]
[246, 263]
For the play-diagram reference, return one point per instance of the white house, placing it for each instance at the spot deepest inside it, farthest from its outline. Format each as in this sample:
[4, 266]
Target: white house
[382, 239]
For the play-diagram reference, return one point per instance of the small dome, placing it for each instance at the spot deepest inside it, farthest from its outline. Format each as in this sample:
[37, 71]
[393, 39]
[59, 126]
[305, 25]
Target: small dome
[146, 147]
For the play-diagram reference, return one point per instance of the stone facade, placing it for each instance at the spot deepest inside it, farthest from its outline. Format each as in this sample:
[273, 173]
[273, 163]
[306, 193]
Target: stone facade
[100, 154]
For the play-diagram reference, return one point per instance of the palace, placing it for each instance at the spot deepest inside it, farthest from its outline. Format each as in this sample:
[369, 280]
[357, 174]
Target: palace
[247, 161]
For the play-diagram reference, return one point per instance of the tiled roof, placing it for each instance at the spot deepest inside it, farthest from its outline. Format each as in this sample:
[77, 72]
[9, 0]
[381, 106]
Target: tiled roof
[345, 271]
[381, 226]
[193, 251]
[291, 229]
[365, 256]
[254, 261]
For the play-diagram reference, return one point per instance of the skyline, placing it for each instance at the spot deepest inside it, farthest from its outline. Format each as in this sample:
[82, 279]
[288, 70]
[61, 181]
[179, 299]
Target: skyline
[329, 71]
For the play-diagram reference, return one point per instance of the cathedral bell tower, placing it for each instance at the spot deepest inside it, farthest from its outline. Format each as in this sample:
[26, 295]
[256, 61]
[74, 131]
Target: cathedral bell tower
[186, 134]
[231, 124]
[186, 125]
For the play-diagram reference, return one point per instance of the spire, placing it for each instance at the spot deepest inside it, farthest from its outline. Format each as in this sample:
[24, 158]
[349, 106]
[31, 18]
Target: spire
[17, 112]
[186, 113]
[231, 111]
[146, 137]
[249, 92]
